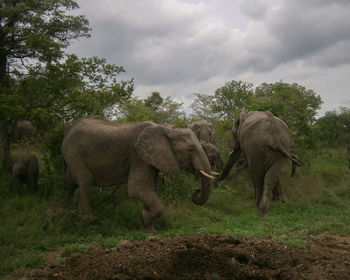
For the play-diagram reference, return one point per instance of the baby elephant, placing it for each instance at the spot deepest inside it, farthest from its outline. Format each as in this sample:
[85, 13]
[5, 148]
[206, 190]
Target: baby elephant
[26, 170]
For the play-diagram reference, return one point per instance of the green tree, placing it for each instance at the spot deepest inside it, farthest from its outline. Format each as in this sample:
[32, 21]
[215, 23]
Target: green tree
[202, 107]
[32, 33]
[36, 30]
[154, 108]
[231, 99]
[293, 103]
[334, 127]
[154, 101]
[68, 90]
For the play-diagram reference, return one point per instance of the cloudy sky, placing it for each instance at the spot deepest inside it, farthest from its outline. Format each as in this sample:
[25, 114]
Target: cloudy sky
[179, 47]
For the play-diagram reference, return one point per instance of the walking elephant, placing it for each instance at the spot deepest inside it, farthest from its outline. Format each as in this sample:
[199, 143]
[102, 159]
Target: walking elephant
[265, 142]
[103, 153]
[26, 170]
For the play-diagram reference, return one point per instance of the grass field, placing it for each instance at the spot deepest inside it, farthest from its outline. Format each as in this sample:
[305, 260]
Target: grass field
[318, 200]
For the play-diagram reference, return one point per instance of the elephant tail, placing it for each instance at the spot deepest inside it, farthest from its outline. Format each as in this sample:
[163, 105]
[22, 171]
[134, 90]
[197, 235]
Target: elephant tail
[294, 158]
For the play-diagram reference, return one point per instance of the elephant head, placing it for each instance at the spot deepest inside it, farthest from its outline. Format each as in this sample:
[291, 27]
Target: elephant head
[26, 170]
[204, 130]
[170, 149]
[22, 129]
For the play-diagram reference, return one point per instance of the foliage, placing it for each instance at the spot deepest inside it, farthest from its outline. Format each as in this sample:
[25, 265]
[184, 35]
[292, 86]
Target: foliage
[33, 34]
[36, 31]
[334, 127]
[227, 102]
[201, 107]
[293, 103]
[154, 108]
[231, 99]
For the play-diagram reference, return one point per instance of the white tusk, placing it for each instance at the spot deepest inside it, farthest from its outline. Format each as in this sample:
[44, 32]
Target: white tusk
[206, 175]
[214, 173]
[231, 152]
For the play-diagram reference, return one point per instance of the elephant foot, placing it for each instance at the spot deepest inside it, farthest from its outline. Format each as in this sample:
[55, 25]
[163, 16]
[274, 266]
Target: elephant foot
[149, 229]
[263, 213]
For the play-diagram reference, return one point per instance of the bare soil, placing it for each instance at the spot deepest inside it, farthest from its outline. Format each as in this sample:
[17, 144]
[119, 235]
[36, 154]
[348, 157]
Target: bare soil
[206, 256]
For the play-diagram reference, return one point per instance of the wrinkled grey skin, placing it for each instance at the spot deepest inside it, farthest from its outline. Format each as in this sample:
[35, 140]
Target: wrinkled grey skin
[103, 153]
[265, 141]
[204, 130]
[213, 155]
[26, 170]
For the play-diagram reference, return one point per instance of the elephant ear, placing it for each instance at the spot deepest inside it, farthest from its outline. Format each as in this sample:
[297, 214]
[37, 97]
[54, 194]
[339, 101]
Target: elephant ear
[155, 147]
[236, 128]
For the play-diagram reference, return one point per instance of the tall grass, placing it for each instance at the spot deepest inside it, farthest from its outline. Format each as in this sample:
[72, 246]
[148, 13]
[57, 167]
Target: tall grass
[318, 200]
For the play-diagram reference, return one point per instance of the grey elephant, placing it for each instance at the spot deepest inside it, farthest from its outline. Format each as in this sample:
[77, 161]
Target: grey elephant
[213, 155]
[103, 153]
[204, 130]
[26, 170]
[22, 129]
[265, 141]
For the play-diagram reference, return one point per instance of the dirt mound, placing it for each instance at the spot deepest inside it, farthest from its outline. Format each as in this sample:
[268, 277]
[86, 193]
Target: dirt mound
[206, 256]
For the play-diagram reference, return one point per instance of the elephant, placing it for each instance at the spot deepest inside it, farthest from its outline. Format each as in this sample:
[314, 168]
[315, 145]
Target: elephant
[204, 130]
[104, 153]
[26, 170]
[22, 129]
[14, 132]
[213, 155]
[265, 141]
[205, 133]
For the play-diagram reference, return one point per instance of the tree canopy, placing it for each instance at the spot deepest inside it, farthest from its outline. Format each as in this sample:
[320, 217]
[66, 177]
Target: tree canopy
[34, 31]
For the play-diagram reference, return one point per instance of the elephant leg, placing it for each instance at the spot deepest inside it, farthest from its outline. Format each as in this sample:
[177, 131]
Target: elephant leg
[84, 202]
[83, 178]
[257, 174]
[271, 181]
[72, 186]
[142, 185]
[152, 209]
[277, 192]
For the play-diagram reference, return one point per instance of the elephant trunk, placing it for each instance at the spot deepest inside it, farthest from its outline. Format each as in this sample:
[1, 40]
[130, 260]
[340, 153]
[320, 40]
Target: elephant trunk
[219, 164]
[201, 163]
[201, 196]
[234, 155]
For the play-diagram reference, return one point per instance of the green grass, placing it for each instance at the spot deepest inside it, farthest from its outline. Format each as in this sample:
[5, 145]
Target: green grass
[318, 200]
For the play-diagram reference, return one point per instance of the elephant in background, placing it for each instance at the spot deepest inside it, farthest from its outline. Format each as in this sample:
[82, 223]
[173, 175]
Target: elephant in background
[265, 142]
[213, 155]
[205, 133]
[26, 170]
[14, 132]
[22, 129]
[103, 153]
[204, 130]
